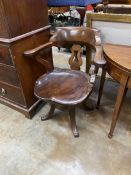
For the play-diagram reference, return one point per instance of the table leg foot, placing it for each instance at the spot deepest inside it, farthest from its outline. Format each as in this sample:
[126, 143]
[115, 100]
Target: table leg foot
[120, 97]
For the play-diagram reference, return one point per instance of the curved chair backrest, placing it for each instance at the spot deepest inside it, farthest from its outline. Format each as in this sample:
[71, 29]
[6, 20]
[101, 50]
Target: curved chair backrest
[73, 37]
[68, 36]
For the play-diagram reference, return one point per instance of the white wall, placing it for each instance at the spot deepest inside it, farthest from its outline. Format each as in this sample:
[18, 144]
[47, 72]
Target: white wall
[114, 32]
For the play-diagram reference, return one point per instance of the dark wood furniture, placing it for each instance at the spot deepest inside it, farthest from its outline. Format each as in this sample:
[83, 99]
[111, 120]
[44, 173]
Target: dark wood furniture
[82, 12]
[118, 66]
[115, 7]
[23, 26]
[64, 87]
[115, 1]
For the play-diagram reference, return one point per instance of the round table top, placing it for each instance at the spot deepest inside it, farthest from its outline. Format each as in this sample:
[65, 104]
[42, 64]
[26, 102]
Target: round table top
[119, 55]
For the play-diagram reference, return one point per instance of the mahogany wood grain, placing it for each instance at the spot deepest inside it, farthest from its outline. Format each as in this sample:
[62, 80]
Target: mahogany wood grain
[119, 55]
[12, 93]
[23, 26]
[50, 113]
[82, 12]
[63, 86]
[22, 16]
[119, 100]
[115, 1]
[75, 61]
[32, 69]
[72, 112]
[102, 80]
[68, 36]
[118, 59]
[9, 75]
[5, 55]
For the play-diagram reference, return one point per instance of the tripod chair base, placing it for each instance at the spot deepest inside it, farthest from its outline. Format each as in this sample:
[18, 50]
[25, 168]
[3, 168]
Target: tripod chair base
[49, 115]
[71, 110]
[66, 88]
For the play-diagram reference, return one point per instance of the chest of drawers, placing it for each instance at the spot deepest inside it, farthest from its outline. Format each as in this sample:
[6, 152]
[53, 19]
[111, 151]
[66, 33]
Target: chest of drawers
[23, 26]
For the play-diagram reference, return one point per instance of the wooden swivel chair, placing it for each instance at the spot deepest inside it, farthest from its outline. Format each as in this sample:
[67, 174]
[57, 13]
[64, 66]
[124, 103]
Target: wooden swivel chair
[65, 87]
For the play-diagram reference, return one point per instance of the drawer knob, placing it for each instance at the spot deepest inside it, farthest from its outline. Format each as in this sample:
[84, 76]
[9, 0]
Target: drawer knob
[3, 91]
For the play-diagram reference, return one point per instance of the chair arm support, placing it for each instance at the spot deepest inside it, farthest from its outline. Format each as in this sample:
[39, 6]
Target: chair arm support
[99, 58]
[35, 51]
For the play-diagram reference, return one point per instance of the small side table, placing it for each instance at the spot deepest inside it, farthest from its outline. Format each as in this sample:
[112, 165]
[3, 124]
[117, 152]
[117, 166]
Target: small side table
[118, 59]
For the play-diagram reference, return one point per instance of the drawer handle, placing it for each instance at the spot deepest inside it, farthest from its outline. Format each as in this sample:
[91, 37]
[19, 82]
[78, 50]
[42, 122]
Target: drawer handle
[3, 91]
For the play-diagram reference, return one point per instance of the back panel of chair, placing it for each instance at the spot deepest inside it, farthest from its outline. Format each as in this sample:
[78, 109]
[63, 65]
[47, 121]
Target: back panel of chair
[69, 36]
[73, 35]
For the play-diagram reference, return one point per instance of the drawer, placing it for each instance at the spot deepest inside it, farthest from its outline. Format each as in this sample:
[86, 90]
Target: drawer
[5, 55]
[12, 94]
[9, 75]
[114, 72]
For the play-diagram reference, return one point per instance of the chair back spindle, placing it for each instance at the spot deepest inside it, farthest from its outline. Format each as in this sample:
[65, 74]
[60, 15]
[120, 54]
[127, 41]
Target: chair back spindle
[75, 61]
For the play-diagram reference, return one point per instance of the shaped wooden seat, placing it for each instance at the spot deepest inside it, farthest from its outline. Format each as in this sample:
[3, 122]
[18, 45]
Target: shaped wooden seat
[64, 86]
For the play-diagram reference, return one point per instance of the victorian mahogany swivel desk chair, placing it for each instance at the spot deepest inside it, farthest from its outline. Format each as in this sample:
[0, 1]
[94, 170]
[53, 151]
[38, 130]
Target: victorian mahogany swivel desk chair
[65, 87]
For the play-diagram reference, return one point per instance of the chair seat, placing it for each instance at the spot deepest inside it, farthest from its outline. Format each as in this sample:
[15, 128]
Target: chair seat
[63, 86]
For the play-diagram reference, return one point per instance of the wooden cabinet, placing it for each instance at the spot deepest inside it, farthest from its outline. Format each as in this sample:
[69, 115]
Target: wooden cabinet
[23, 26]
[19, 17]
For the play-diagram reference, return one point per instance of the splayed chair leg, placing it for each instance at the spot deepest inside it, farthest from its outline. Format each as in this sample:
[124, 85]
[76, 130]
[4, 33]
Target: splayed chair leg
[73, 122]
[50, 113]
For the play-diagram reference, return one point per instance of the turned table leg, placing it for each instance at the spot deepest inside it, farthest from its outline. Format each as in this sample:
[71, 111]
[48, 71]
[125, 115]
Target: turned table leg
[101, 86]
[50, 113]
[120, 97]
[73, 122]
